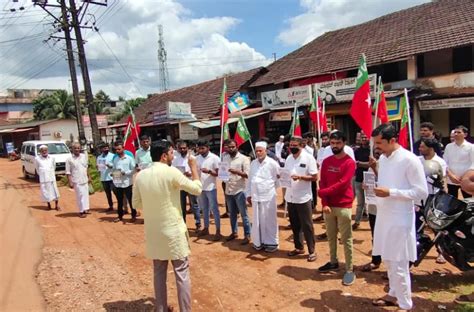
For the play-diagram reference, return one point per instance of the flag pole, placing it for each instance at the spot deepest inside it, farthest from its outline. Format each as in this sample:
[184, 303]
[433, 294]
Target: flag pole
[135, 126]
[377, 94]
[250, 138]
[318, 114]
[407, 108]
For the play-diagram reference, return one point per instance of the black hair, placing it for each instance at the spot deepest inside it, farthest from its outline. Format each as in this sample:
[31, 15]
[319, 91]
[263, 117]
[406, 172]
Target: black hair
[431, 143]
[428, 125]
[325, 134]
[297, 139]
[181, 142]
[203, 143]
[226, 141]
[144, 137]
[387, 131]
[158, 148]
[118, 143]
[337, 135]
[308, 135]
[462, 128]
[230, 141]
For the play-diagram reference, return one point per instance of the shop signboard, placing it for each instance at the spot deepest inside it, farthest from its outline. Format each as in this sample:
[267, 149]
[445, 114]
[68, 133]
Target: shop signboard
[188, 132]
[101, 121]
[342, 90]
[290, 97]
[159, 116]
[447, 103]
[281, 116]
[178, 110]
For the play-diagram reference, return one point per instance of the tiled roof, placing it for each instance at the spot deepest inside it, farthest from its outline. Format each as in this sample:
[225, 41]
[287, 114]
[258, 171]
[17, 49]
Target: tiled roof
[433, 26]
[204, 97]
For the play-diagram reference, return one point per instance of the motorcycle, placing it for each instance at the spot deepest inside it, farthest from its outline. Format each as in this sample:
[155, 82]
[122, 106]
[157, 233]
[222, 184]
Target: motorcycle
[452, 221]
[14, 155]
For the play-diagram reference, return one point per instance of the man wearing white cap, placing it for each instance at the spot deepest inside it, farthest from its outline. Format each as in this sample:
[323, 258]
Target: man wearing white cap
[261, 194]
[78, 176]
[279, 148]
[45, 167]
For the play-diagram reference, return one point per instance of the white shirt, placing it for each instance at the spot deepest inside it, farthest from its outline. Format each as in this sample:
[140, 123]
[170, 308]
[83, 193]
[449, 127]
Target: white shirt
[278, 149]
[320, 156]
[263, 180]
[45, 167]
[211, 162]
[328, 152]
[76, 166]
[431, 189]
[309, 150]
[394, 236]
[459, 158]
[300, 191]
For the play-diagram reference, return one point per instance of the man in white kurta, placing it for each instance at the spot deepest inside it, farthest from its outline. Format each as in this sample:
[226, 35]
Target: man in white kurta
[401, 182]
[261, 193]
[45, 167]
[76, 171]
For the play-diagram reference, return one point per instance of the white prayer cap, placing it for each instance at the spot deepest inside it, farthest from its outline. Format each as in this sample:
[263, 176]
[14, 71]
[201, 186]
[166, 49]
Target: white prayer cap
[261, 144]
[42, 147]
[282, 137]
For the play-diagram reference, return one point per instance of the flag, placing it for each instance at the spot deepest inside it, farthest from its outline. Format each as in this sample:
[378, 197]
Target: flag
[295, 129]
[314, 112]
[132, 131]
[224, 114]
[242, 134]
[361, 110]
[238, 102]
[404, 124]
[380, 105]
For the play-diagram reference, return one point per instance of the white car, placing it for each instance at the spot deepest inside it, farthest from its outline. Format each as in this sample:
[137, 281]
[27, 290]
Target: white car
[56, 149]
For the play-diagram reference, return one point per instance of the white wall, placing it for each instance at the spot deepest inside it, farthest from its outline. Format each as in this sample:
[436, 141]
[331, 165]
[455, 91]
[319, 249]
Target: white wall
[66, 127]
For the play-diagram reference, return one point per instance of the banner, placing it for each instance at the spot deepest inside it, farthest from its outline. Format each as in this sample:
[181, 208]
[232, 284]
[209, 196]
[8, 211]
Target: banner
[447, 103]
[238, 102]
[101, 121]
[342, 90]
[286, 97]
[178, 110]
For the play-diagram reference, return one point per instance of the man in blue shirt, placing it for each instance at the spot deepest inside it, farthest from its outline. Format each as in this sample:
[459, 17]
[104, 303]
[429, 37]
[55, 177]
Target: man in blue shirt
[142, 156]
[105, 166]
[122, 177]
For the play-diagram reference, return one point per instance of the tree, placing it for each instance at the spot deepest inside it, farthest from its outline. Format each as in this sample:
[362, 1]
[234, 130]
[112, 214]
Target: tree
[129, 105]
[100, 99]
[60, 105]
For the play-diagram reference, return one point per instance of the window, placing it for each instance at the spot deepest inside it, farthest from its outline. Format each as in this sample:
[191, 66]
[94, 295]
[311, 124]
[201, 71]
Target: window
[463, 59]
[30, 150]
[55, 148]
[23, 149]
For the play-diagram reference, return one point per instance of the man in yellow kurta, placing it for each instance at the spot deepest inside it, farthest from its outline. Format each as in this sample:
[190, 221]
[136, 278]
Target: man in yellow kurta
[157, 192]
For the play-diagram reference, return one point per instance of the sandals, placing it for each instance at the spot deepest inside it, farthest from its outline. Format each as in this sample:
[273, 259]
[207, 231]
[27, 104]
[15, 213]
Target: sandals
[369, 267]
[295, 252]
[381, 302]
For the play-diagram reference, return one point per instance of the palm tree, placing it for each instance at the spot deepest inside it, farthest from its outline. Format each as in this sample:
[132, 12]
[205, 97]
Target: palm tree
[60, 105]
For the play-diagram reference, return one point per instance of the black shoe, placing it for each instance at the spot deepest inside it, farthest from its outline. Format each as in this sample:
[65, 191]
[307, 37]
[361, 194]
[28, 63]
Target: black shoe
[329, 267]
[231, 237]
[225, 215]
[198, 227]
[322, 236]
[119, 219]
[355, 226]
[133, 220]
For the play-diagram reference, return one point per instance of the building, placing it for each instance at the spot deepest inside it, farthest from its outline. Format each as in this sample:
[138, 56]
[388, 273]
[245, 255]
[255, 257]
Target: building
[428, 49]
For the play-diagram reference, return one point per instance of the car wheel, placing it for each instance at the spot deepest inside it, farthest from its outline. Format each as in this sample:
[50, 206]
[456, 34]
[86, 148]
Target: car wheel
[25, 174]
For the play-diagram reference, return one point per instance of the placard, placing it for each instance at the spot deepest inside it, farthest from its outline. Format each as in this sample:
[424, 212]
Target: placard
[342, 90]
[178, 110]
[223, 173]
[285, 178]
[369, 182]
[117, 176]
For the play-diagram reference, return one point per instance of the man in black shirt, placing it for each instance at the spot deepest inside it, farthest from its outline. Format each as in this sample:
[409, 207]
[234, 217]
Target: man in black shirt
[426, 132]
[362, 155]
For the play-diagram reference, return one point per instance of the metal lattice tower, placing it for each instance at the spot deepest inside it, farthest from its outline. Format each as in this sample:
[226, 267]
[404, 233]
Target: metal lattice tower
[163, 67]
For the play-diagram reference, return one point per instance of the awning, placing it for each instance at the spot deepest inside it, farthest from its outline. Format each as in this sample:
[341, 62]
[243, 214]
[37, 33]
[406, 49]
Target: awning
[15, 130]
[22, 130]
[6, 130]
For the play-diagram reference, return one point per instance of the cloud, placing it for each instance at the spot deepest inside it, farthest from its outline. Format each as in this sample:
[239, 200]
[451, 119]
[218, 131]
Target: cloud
[321, 16]
[198, 49]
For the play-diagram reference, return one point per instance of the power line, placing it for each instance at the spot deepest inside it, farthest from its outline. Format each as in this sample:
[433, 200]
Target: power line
[118, 61]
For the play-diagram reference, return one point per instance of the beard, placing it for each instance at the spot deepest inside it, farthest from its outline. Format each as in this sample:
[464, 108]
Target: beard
[336, 150]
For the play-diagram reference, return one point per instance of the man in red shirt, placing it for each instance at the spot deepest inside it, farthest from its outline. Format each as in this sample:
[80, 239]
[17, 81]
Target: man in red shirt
[337, 196]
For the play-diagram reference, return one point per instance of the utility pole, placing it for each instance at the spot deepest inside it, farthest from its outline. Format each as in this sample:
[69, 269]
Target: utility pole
[163, 67]
[72, 70]
[85, 74]
[64, 22]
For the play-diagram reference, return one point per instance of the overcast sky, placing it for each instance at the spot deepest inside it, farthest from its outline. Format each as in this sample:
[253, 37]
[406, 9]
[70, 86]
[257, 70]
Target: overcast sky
[204, 39]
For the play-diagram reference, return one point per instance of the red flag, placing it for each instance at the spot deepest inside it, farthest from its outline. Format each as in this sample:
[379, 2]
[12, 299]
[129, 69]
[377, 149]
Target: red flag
[382, 113]
[319, 111]
[404, 124]
[224, 116]
[130, 135]
[361, 110]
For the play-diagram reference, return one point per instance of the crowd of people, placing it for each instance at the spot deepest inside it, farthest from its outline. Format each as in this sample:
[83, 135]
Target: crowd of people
[334, 172]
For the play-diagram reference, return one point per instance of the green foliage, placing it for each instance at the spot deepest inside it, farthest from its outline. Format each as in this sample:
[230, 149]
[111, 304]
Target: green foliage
[129, 105]
[60, 105]
[94, 174]
[100, 99]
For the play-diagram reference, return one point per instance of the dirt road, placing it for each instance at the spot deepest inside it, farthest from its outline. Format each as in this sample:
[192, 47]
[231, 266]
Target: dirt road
[95, 264]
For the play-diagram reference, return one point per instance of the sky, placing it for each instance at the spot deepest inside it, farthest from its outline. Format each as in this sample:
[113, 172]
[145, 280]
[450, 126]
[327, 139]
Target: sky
[204, 39]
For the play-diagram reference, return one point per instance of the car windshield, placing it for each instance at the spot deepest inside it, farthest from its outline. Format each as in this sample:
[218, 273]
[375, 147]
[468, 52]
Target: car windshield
[55, 148]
